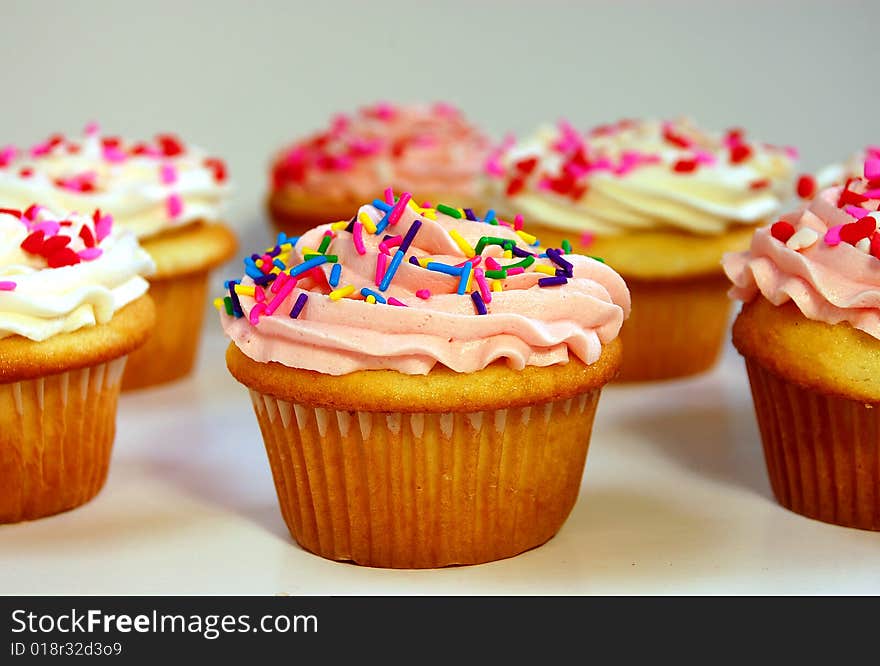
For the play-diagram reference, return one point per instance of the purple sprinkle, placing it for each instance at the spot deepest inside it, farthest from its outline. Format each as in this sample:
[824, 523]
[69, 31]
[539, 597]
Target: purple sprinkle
[299, 305]
[274, 252]
[479, 303]
[7, 286]
[410, 235]
[469, 214]
[236, 304]
[519, 252]
[556, 257]
[263, 280]
[414, 261]
[552, 281]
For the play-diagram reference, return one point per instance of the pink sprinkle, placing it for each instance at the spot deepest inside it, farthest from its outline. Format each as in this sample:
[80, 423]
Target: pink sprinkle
[872, 168]
[856, 211]
[832, 236]
[394, 301]
[357, 234]
[516, 270]
[384, 110]
[90, 253]
[873, 151]
[41, 149]
[791, 152]
[175, 205]
[872, 194]
[703, 157]
[386, 245]
[381, 263]
[114, 154]
[493, 166]
[256, 311]
[6, 285]
[283, 293]
[167, 174]
[587, 239]
[480, 278]
[7, 154]
[92, 128]
[424, 294]
[474, 261]
[279, 282]
[398, 209]
[103, 227]
[492, 265]
[259, 294]
[48, 227]
[518, 223]
[389, 196]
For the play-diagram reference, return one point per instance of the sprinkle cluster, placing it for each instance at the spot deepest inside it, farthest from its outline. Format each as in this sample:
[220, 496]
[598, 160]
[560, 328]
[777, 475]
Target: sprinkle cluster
[859, 198]
[678, 146]
[475, 278]
[110, 152]
[366, 134]
[63, 242]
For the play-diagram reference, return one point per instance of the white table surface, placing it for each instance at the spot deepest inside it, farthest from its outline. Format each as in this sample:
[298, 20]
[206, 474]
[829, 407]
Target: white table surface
[675, 500]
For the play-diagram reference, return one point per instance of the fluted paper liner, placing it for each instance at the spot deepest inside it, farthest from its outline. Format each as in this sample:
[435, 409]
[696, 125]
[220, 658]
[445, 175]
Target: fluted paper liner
[822, 452]
[425, 490]
[170, 352]
[676, 327]
[56, 433]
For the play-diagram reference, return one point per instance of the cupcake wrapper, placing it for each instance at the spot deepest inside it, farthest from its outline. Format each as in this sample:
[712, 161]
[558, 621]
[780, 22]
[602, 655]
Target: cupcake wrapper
[170, 351]
[56, 433]
[676, 328]
[822, 452]
[425, 490]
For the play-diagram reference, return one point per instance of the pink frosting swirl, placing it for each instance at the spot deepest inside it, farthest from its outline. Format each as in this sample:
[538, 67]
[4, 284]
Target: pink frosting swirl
[525, 324]
[829, 267]
[427, 149]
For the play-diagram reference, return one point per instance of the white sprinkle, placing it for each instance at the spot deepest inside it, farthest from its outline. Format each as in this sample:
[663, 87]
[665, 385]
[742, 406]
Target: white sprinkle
[864, 245]
[802, 239]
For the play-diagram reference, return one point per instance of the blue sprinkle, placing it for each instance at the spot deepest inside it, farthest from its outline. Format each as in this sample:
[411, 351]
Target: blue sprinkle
[307, 265]
[335, 272]
[251, 268]
[444, 268]
[490, 215]
[279, 264]
[392, 269]
[381, 205]
[465, 276]
[369, 292]
[383, 223]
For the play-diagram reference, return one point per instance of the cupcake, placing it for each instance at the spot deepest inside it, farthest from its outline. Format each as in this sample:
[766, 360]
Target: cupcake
[661, 202]
[430, 150]
[424, 382]
[73, 305]
[809, 331]
[168, 194]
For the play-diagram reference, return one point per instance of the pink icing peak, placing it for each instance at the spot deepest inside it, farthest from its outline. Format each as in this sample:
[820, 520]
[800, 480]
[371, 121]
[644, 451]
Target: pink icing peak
[442, 272]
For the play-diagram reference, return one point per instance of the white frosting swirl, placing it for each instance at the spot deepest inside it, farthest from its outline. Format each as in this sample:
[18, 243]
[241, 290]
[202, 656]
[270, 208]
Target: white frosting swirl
[38, 302]
[149, 187]
[641, 175]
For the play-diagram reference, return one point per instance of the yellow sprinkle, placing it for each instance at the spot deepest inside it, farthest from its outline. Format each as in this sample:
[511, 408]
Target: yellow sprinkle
[371, 299]
[218, 303]
[275, 271]
[508, 254]
[244, 289]
[367, 221]
[338, 226]
[342, 292]
[424, 261]
[308, 250]
[528, 238]
[462, 243]
[540, 268]
[430, 213]
[286, 247]
[259, 263]
[496, 285]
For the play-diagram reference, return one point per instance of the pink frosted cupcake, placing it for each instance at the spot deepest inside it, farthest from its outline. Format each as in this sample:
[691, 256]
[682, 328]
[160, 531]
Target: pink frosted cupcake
[430, 150]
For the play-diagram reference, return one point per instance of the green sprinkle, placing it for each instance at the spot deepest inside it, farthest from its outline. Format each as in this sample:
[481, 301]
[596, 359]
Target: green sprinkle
[525, 263]
[331, 258]
[489, 240]
[227, 303]
[566, 246]
[508, 245]
[497, 275]
[325, 244]
[598, 259]
[449, 210]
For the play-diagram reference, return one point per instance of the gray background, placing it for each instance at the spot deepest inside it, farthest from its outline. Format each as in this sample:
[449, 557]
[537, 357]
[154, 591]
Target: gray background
[240, 78]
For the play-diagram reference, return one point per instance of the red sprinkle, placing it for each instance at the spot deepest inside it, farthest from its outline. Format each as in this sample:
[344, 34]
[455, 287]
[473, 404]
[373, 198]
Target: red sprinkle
[515, 186]
[87, 236]
[740, 153]
[527, 165]
[170, 145]
[33, 243]
[63, 257]
[759, 184]
[875, 244]
[806, 186]
[685, 166]
[218, 166]
[782, 231]
[855, 231]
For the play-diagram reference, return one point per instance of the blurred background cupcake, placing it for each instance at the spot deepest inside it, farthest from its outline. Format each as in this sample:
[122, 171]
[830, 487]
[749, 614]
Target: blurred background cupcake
[437, 375]
[73, 304]
[170, 195]
[430, 150]
[809, 330]
[661, 202]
